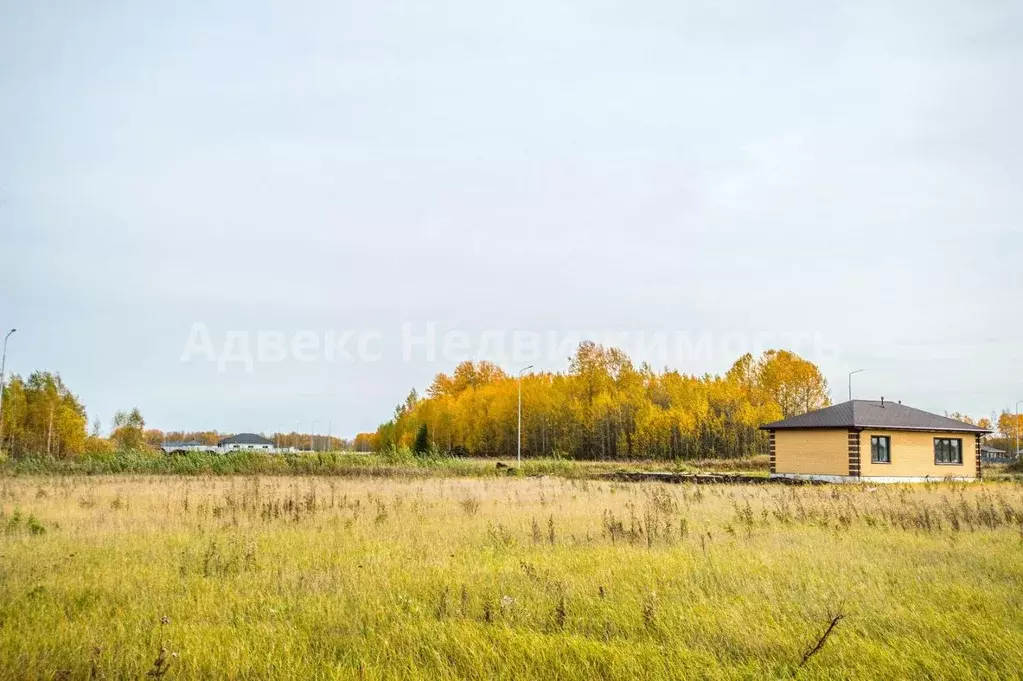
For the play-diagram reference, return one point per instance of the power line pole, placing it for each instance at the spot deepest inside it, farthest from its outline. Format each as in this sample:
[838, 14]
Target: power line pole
[519, 448]
[3, 366]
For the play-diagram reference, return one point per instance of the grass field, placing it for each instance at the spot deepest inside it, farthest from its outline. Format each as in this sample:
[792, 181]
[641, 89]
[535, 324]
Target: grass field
[318, 577]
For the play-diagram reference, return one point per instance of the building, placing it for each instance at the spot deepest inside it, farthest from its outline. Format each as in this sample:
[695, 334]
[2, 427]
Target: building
[993, 454]
[245, 441]
[179, 447]
[869, 441]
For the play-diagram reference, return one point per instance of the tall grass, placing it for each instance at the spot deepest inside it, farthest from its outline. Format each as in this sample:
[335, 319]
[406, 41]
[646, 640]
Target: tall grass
[396, 463]
[317, 577]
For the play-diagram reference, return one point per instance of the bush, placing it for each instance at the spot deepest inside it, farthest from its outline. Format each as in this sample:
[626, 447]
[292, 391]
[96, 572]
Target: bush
[98, 445]
[397, 455]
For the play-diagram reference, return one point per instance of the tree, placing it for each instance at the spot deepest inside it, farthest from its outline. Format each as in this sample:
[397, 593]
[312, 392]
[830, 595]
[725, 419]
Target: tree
[129, 430]
[42, 417]
[793, 383]
[365, 442]
[1009, 425]
[965, 418]
[422, 444]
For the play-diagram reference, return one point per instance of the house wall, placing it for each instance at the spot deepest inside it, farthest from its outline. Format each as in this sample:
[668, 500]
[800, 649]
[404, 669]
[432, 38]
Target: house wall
[189, 448]
[816, 452]
[912, 455]
[233, 447]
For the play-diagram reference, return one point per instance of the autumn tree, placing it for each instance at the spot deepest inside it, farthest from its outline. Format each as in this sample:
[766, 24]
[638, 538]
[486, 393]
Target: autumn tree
[129, 430]
[42, 416]
[794, 384]
[1010, 427]
[365, 442]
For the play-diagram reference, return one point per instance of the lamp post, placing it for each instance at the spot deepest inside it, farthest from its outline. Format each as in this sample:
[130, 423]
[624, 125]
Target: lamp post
[312, 438]
[850, 381]
[3, 366]
[519, 447]
[1015, 427]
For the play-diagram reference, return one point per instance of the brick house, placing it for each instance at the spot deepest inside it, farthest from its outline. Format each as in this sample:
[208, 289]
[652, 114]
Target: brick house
[864, 440]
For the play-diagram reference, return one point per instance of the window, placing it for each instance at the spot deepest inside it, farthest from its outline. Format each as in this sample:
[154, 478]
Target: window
[880, 449]
[948, 450]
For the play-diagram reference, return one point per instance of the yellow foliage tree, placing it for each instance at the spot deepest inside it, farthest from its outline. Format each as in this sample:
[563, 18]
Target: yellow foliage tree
[605, 407]
[42, 417]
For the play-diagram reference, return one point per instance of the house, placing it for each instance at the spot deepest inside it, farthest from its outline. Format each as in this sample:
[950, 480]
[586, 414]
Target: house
[993, 454]
[186, 446]
[863, 440]
[245, 441]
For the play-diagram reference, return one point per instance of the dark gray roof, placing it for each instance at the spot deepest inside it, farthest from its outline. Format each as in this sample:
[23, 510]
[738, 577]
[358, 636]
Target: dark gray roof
[245, 439]
[870, 414]
[182, 443]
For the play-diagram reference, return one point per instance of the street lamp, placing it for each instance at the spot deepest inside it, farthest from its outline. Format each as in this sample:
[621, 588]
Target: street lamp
[3, 365]
[519, 449]
[312, 438]
[850, 381]
[1015, 427]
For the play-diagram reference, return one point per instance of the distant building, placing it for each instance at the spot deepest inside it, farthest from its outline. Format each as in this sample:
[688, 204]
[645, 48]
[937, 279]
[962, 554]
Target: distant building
[988, 453]
[245, 441]
[186, 446]
[869, 441]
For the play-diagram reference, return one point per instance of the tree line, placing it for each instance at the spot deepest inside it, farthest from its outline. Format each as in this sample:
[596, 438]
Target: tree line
[604, 407]
[42, 417]
[155, 437]
[1007, 429]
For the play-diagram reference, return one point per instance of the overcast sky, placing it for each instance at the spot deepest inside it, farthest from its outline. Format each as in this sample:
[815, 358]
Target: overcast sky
[724, 171]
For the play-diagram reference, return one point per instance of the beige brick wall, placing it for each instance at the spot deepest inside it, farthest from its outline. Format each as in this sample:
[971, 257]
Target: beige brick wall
[819, 452]
[912, 455]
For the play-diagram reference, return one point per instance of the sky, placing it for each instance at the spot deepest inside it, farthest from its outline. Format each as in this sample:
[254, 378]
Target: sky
[420, 183]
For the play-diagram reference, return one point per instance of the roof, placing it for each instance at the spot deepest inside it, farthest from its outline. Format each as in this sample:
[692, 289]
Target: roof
[991, 450]
[872, 414]
[245, 439]
[183, 443]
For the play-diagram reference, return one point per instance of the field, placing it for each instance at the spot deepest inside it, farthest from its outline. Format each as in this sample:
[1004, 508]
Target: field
[382, 577]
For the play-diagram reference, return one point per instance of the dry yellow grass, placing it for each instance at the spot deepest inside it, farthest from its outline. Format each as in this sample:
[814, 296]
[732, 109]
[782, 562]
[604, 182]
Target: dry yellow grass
[315, 577]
